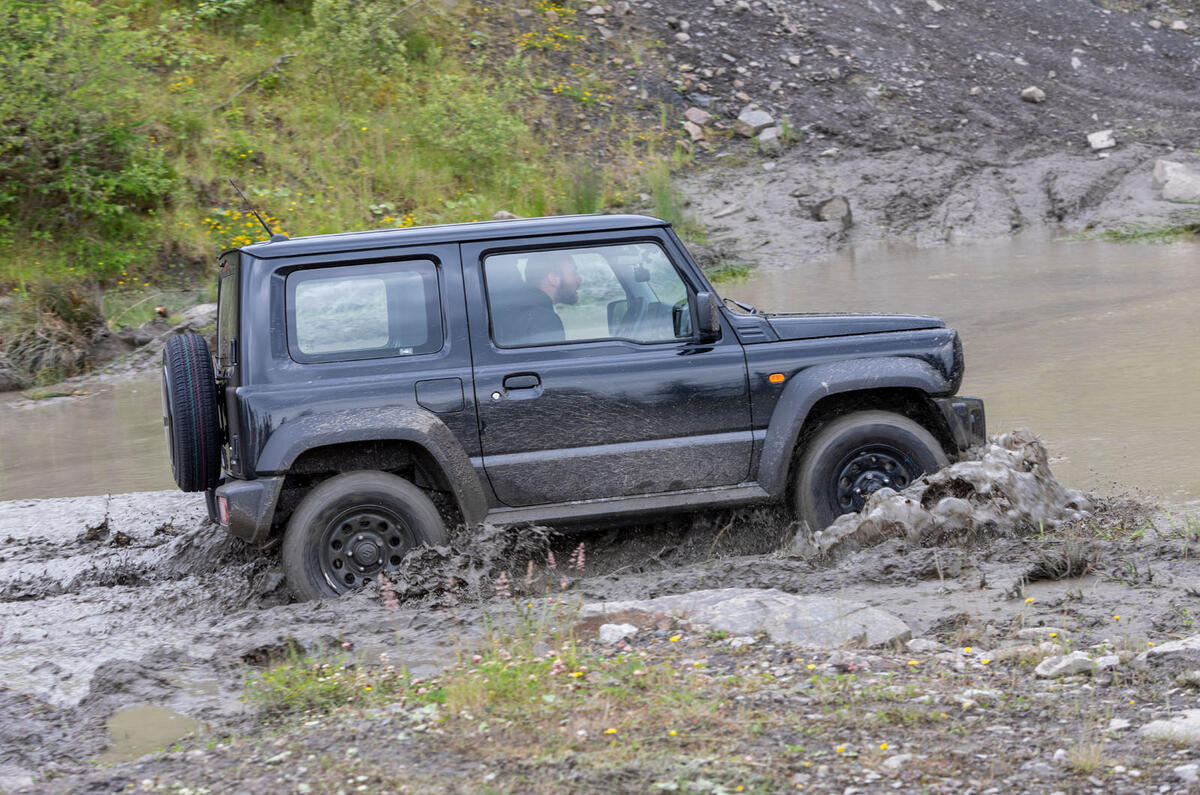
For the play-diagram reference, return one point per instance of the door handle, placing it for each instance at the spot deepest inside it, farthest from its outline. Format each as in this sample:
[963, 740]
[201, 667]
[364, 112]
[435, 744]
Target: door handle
[522, 381]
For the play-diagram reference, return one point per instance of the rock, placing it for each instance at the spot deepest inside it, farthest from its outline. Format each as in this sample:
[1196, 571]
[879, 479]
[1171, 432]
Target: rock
[595, 11]
[794, 60]
[1118, 724]
[935, 6]
[802, 190]
[1075, 62]
[896, 762]
[751, 122]
[1154, 23]
[1107, 662]
[830, 152]
[682, 37]
[1181, 653]
[1183, 728]
[1190, 773]
[1042, 633]
[623, 10]
[1060, 755]
[925, 645]
[770, 141]
[982, 696]
[694, 131]
[1065, 665]
[812, 621]
[1179, 24]
[727, 211]
[1033, 94]
[697, 116]
[504, 215]
[1177, 182]
[614, 633]
[1102, 139]
[1189, 678]
[835, 209]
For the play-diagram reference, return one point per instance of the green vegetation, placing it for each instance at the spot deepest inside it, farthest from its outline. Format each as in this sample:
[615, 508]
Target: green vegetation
[122, 120]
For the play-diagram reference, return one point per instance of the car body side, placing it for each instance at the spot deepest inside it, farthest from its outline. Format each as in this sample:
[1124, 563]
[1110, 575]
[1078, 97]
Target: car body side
[718, 422]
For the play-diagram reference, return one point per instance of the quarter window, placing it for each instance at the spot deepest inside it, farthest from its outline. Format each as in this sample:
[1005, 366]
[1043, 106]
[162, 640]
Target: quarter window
[364, 311]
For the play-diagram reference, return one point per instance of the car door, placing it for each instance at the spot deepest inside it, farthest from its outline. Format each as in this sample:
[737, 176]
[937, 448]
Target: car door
[627, 401]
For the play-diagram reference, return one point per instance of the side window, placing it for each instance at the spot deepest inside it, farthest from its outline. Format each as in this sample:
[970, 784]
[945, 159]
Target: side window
[364, 311]
[629, 291]
[227, 310]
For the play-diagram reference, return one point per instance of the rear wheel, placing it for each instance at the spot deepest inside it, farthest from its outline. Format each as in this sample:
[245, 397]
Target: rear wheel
[352, 527]
[190, 418]
[856, 455]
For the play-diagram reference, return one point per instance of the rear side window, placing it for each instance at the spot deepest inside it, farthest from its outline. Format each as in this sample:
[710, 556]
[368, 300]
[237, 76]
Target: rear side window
[364, 311]
[227, 311]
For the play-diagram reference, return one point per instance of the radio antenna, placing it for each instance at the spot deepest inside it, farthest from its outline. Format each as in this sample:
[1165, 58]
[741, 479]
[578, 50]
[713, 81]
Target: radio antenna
[275, 236]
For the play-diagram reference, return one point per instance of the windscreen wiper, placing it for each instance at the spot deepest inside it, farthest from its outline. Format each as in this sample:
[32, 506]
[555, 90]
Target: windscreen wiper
[741, 306]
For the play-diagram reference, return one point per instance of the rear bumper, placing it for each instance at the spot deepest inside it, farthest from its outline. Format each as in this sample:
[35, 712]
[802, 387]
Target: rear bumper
[251, 506]
[966, 420]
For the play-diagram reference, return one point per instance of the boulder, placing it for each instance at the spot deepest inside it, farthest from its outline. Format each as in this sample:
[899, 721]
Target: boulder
[1065, 665]
[1177, 182]
[812, 621]
[1182, 653]
[697, 116]
[1183, 728]
[751, 121]
[614, 633]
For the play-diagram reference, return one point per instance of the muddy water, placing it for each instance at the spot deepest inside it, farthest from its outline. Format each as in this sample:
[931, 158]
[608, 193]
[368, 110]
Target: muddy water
[1092, 345]
[108, 439]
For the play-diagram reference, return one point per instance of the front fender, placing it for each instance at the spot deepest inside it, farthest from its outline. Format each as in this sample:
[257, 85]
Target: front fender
[808, 386]
[417, 426]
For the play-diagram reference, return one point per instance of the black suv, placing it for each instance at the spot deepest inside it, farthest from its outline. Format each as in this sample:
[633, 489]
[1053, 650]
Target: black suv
[370, 389]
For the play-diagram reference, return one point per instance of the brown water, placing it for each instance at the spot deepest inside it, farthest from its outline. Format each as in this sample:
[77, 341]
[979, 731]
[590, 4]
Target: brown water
[1092, 345]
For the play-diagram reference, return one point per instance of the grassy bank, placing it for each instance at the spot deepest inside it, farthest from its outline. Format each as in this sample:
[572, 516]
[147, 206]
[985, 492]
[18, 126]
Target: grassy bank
[122, 122]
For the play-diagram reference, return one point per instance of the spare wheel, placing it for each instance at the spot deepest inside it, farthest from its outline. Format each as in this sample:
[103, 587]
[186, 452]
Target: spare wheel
[193, 427]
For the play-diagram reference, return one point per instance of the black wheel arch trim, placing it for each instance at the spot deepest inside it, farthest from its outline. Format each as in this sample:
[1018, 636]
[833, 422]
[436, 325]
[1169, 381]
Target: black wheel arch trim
[417, 426]
[810, 385]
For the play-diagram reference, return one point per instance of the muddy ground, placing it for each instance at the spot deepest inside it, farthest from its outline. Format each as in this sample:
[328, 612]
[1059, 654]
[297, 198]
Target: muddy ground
[111, 605]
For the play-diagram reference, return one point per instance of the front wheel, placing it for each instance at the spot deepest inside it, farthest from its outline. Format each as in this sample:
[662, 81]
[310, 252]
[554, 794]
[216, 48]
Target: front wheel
[352, 527]
[856, 455]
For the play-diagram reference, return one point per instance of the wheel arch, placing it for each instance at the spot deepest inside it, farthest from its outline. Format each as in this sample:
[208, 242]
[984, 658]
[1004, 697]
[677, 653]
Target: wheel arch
[822, 393]
[411, 442]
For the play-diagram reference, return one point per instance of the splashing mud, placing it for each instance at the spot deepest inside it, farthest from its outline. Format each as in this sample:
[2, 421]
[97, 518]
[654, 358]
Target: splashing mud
[1007, 490]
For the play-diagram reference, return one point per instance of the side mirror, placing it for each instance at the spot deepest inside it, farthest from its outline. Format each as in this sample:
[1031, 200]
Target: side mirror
[708, 317]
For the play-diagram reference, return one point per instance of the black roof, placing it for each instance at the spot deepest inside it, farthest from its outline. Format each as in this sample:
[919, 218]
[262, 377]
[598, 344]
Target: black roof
[449, 233]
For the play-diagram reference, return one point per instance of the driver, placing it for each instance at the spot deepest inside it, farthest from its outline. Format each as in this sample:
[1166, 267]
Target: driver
[550, 278]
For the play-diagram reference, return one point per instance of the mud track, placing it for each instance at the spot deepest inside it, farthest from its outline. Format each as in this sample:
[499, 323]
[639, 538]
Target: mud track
[108, 603]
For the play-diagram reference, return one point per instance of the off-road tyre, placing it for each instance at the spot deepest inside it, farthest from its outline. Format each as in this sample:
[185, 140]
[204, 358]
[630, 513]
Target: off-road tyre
[190, 417]
[857, 454]
[353, 526]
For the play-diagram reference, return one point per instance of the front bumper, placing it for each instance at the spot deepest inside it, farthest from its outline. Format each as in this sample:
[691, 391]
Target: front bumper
[966, 420]
[251, 506]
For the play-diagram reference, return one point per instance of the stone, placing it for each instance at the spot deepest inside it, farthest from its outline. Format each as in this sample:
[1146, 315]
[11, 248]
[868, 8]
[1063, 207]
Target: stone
[1033, 94]
[1190, 773]
[770, 141]
[794, 60]
[896, 762]
[697, 116]
[1042, 633]
[1176, 181]
[595, 11]
[935, 6]
[1189, 678]
[802, 190]
[1118, 724]
[810, 621]
[750, 122]
[1179, 24]
[923, 645]
[1107, 662]
[614, 633]
[694, 131]
[504, 215]
[1183, 728]
[831, 152]
[727, 211]
[682, 38]
[1065, 665]
[1181, 653]
[1101, 139]
[836, 209]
